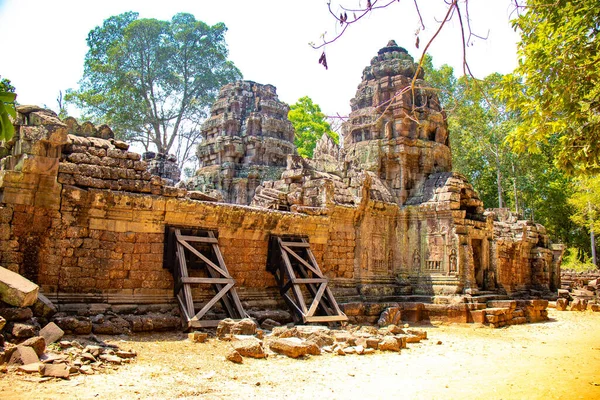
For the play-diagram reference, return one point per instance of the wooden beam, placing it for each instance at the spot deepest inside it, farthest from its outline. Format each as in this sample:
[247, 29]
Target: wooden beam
[310, 280]
[234, 295]
[316, 271]
[316, 300]
[295, 244]
[292, 276]
[207, 281]
[203, 258]
[326, 318]
[189, 301]
[212, 302]
[198, 239]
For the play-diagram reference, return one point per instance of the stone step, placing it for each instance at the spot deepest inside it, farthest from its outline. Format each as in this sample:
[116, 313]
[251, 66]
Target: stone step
[487, 297]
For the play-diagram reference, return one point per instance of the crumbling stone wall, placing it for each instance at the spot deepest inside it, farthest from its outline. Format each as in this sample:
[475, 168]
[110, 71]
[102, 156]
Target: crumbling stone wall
[385, 217]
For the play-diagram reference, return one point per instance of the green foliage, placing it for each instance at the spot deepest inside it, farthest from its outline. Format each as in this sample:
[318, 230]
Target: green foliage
[309, 125]
[7, 108]
[152, 80]
[479, 123]
[586, 202]
[556, 86]
[575, 261]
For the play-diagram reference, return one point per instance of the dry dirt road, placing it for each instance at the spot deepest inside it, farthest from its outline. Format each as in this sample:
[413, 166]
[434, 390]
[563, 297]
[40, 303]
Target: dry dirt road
[558, 359]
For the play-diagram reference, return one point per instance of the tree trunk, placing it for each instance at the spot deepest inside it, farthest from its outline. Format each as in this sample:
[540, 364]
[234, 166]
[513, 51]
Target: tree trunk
[499, 180]
[593, 240]
[515, 189]
[592, 236]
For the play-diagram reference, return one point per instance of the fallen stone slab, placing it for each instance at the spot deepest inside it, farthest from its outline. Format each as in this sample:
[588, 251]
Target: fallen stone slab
[30, 368]
[37, 343]
[43, 307]
[55, 370]
[249, 348]
[23, 355]
[291, 347]
[17, 290]
[51, 333]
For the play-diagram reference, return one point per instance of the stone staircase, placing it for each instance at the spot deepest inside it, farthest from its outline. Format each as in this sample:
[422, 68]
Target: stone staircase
[271, 199]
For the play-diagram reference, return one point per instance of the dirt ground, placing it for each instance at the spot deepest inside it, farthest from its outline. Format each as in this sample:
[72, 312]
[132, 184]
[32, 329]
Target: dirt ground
[558, 359]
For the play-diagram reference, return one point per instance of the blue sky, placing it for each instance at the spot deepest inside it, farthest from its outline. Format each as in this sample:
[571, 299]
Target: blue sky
[43, 42]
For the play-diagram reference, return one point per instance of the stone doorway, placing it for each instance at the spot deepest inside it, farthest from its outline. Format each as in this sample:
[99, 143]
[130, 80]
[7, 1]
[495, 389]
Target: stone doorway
[476, 245]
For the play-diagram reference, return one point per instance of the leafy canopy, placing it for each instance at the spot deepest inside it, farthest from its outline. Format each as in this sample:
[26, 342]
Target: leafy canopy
[309, 124]
[479, 123]
[152, 80]
[7, 107]
[556, 85]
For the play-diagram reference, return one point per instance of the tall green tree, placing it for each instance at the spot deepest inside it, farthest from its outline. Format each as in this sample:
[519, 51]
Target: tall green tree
[7, 107]
[586, 201]
[556, 86]
[479, 123]
[153, 81]
[309, 125]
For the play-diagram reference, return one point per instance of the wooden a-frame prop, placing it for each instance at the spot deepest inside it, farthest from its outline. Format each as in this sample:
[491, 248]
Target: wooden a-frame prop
[200, 249]
[294, 265]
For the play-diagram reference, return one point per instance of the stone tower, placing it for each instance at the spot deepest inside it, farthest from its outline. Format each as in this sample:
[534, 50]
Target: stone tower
[396, 129]
[246, 140]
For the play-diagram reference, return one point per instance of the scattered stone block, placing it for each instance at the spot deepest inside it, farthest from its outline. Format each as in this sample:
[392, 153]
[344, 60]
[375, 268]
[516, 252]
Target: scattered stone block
[198, 337]
[250, 348]
[30, 368]
[291, 347]
[578, 304]
[37, 343]
[244, 327]
[224, 327]
[234, 356]
[110, 358]
[55, 370]
[561, 304]
[51, 333]
[595, 307]
[373, 343]
[2, 322]
[126, 354]
[17, 290]
[23, 355]
[269, 324]
[389, 343]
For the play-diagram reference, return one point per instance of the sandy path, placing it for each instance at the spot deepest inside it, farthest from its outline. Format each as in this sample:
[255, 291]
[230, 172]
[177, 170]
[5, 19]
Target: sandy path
[559, 359]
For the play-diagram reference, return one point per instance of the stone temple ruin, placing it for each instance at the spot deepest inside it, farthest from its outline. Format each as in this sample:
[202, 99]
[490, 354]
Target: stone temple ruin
[382, 221]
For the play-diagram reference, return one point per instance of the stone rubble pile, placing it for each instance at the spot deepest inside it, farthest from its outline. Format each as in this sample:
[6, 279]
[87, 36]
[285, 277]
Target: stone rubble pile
[579, 291]
[25, 346]
[247, 340]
